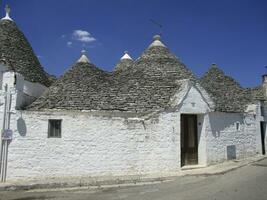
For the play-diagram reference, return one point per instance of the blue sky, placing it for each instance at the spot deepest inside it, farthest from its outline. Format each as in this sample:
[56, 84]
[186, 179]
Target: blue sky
[231, 33]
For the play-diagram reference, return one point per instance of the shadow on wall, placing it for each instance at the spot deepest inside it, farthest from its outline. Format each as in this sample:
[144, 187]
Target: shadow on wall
[21, 126]
[220, 122]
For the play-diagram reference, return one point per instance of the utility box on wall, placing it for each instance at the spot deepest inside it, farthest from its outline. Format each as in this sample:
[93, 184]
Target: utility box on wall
[231, 152]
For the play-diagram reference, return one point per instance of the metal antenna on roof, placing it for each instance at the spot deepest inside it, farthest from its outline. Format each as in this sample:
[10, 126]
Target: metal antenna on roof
[158, 25]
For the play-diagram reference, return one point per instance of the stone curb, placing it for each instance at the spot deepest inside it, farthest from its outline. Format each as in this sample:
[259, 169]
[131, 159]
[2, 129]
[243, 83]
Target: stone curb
[233, 168]
[89, 184]
[131, 181]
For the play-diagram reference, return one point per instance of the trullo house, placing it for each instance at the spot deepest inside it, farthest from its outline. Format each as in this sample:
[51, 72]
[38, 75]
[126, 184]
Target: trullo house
[151, 115]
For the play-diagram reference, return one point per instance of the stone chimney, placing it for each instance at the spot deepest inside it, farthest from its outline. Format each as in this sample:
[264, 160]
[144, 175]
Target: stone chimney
[264, 84]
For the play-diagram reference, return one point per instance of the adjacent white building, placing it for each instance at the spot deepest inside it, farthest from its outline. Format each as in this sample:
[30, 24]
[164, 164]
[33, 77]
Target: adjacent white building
[150, 116]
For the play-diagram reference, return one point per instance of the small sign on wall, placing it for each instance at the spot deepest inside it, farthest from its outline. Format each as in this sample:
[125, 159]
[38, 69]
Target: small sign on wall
[7, 134]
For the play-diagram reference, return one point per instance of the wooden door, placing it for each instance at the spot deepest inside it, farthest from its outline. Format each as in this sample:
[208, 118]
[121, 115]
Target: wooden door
[189, 140]
[263, 127]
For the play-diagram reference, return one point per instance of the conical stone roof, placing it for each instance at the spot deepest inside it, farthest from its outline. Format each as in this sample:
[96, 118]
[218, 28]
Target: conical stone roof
[78, 89]
[227, 94]
[146, 86]
[17, 54]
[152, 80]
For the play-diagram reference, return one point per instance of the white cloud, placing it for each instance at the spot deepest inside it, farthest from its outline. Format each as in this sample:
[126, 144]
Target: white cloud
[83, 36]
[69, 43]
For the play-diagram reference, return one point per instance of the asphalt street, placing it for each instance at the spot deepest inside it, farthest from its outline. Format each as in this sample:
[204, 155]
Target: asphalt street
[245, 183]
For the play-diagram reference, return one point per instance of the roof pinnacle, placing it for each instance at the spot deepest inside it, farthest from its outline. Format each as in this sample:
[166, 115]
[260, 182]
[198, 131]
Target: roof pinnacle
[7, 9]
[126, 56]
[157, 37]
[214, 65]
[156, 42]
[83, 58]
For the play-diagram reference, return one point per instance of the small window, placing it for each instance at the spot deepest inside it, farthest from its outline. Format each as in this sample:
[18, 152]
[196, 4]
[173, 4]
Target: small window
[54, 128]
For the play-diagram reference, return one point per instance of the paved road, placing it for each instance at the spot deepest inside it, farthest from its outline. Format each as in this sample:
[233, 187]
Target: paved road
[246, 183]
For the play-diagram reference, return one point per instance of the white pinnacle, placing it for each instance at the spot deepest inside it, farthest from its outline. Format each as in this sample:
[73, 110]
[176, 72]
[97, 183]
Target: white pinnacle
[7, 17]
[126, 56]
[83, 58]
[156, 42]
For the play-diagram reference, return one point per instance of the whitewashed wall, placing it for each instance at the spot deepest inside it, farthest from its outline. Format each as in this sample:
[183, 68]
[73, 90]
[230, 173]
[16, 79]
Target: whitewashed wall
[93, 146]
[221, 131]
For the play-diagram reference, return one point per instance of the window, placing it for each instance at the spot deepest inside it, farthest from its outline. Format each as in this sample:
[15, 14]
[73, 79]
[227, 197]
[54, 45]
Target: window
[54, 128]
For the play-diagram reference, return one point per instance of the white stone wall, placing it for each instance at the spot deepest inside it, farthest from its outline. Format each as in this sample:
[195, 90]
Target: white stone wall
[93, 146]
[221, 131]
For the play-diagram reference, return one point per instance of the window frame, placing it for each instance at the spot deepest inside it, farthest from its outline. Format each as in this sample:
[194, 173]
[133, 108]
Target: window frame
[49, 135]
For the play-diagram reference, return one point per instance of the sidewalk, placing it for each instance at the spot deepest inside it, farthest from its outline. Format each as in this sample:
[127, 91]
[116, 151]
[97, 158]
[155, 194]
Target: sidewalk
[119, 181]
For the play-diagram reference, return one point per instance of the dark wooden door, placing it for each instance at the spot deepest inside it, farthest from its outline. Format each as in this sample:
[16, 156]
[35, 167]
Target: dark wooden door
[189, 140]
[263, 127]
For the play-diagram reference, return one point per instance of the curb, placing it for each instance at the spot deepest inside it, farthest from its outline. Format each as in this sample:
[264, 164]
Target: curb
[88, 184]
[228, 170]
